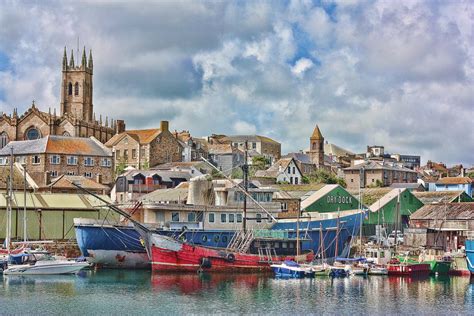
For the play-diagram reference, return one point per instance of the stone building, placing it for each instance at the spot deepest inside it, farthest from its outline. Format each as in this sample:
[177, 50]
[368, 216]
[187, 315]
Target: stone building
[52, 156]
[145, 148]
[371, 174]
[316, 149]
[76, 118]
[262, 145]
[226, 157]
[284, 170]
[193, 148]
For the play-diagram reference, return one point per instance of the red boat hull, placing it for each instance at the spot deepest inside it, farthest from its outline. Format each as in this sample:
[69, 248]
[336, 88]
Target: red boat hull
[409, 269]
[181, 256]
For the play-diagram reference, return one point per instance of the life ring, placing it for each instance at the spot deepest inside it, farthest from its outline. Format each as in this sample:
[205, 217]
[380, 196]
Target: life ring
[230, 257]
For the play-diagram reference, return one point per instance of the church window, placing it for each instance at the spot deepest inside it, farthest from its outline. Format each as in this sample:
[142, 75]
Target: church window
[69, 89]
[3, 139]
[66, 134]
[33, 133]
[76, 89]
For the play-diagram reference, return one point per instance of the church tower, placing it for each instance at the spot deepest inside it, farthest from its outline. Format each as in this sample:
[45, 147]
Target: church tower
[76, 87]
[316, 149]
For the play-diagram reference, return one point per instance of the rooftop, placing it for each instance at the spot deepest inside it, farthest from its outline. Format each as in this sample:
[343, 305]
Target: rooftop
[143, 136]
[53, 144]
[278, 167]
[438, 196]
[450, 211]
[374, 165]
[454, 180]
[67, 182]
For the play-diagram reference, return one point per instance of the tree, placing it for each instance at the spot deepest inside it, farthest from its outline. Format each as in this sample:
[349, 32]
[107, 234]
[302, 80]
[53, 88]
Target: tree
[260, 163]
[323, 176]
[120, 168]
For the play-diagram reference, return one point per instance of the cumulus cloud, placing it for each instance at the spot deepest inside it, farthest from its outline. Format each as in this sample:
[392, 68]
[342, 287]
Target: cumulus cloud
[370, 72]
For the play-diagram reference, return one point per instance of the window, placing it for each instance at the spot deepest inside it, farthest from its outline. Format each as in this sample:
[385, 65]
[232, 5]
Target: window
[239, 218]
[55, 159]
[352, 180]
[259, 218]
[254, 145]
[296, 180]
[224, 239]
[66, 134]
[3, 161]
[231, 218]
[20, 159]
[223, 218]
[106, 162]
[294, 170]
[211, 217]
[3, 139]
[70, 173]
[284, 206]
[191, 217]
[125, 154]
[291, 180]
[88, 174]
[142, 152]
[76, 88]
[69, 89]
[117, 154]
[289, 169]
[88, 161]
[175, 217]
[71, 160]
[32, 133]
[36, 160]
[134, 153]
[54, 173]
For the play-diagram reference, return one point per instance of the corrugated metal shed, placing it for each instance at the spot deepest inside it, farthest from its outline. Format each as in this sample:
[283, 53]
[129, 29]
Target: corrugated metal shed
[448, 211]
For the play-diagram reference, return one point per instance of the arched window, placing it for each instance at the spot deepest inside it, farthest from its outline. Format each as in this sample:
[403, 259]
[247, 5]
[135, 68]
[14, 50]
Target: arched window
[32, 133]
[69, 89]
[66, 134]
[76, 89]
[3, 139]
[315, 146]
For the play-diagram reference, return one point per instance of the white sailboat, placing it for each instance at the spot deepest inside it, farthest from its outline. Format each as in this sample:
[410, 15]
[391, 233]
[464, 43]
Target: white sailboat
[26, 263]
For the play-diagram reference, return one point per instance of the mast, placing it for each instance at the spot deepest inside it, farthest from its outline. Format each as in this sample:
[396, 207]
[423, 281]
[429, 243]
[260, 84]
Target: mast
[9, 199]
[321, 244]
[298, 234]
[246, 188]
[24, 203]
[337, 234]
[396, 222]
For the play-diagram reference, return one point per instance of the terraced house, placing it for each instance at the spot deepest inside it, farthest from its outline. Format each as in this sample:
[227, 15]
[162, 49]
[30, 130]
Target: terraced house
[145, 148]
[53, 156]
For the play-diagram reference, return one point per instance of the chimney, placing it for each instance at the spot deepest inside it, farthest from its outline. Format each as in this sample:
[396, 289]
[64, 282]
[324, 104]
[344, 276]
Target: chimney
[164, 126]
[47, 178]
[98, 178]
[120, 126]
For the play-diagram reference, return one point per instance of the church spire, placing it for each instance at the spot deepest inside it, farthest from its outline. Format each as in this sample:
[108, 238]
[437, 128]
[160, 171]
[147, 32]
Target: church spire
[317, 133]
[90, 59]
[64, 59]
[71, 63]
[84, 61]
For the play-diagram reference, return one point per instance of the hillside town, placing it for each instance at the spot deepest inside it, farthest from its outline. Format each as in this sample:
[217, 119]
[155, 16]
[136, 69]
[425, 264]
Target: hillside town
[62, 167]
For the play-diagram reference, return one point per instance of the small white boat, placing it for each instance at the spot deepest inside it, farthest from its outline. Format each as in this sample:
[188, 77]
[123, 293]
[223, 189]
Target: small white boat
[44, 267]
[375, 270]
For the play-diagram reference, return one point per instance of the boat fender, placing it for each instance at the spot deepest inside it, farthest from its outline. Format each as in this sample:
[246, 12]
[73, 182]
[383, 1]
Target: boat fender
[230, 257]
[205, 263]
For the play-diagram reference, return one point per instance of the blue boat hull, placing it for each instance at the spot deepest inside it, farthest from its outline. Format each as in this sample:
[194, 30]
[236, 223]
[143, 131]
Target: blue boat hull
[283, 272]
[121, 246]
[470, 255]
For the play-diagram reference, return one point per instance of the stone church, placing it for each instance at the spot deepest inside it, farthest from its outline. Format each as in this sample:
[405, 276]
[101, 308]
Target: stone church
[76, 117]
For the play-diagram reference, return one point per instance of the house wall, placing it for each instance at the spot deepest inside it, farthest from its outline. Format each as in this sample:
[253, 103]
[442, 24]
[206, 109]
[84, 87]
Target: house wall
[454, 187]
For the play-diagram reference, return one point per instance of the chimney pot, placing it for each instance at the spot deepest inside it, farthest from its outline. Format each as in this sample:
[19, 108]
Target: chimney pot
[164, 126]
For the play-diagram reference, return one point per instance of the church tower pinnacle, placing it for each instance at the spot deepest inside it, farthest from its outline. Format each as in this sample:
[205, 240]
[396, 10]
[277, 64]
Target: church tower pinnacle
[76, 88]
[316, 149]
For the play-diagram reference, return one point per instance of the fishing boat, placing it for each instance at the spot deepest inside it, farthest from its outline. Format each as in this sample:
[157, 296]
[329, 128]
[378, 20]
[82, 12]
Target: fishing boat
[408, 268]
[291, 269]
[26, 264]
[470, 253]
[440, 266]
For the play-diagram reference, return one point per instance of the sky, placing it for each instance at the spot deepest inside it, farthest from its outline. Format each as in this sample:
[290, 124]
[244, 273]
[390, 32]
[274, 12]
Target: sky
[392, 73]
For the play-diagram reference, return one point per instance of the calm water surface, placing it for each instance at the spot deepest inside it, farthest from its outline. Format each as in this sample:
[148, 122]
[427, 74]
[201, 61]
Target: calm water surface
[141, 292]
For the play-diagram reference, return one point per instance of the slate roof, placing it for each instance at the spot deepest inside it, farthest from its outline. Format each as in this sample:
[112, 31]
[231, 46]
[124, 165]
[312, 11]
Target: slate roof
[250, 138]
[373, 165]
[450, 211]
[66, 182]
[370, 195]
[220, 149]
[407, 186]
[334, 150]
[454, 180]
[385, 199]
[165, 175]
[278, 167]
[53, 144]
[300, 157]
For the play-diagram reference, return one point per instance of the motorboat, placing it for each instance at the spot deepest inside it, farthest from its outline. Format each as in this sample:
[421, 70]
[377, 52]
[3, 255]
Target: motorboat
[292, 269]
[26, 264]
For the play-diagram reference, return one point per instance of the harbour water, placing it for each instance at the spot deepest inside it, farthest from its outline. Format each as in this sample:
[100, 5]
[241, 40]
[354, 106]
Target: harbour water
[123, 292]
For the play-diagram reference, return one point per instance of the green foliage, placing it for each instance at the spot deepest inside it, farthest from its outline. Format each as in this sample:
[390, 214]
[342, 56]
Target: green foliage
[120, 168]
[260, 163]
[237, 173]
[323, 176]
[145, 165]
[216, 174]
[305, 180]
[470, 175]
[377, 184]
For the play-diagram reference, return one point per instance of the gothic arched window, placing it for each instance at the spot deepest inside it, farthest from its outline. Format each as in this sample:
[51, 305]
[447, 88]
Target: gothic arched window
[315, 146]
[69, 89]
[76, 89]
[66, 134]
[3, 139]
[32, 133]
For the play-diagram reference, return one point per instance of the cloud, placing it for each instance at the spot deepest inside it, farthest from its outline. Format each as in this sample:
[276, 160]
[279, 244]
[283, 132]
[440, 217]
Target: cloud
[368, 72]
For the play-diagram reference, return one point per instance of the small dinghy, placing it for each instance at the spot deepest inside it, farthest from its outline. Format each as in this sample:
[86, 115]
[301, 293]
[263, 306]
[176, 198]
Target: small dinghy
[291, 269]
[26, 264]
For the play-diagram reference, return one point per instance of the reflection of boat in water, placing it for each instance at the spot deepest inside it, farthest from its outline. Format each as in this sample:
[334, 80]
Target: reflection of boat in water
[189, 283]
[470, 253]
[39, 279]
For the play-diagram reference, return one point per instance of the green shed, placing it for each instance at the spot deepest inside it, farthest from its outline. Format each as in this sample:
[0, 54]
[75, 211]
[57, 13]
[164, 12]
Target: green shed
[330, 198]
